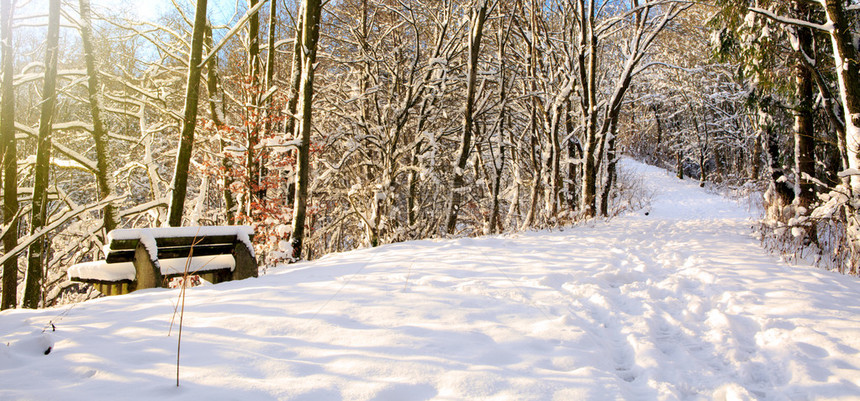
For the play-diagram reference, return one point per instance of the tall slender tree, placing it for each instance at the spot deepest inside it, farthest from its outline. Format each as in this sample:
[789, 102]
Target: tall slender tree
[845, 56]
[804, 132]
[38, 216]
[479, 14]
[99, 134]
[216, 110]
[293, 91]
[10, 159]
[179, 187]
[254, 112]
[311, 12]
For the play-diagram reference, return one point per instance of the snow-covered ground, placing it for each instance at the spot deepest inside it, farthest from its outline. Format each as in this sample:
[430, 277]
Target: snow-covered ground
[678, 304]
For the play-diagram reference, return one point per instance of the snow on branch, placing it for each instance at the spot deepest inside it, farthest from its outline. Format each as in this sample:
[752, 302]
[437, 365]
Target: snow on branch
[792, 21]
[28, 77]
[667, 65]
[232, 32]
[59, 163]
[71, 125]
[24, 243]
[163, 202]
[83, 161]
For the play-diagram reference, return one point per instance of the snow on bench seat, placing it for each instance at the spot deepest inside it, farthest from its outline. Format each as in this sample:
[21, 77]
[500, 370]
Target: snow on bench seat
[102, 271]
[170, 267]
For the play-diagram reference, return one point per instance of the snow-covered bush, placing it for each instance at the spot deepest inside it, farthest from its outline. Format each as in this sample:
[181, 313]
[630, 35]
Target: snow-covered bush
[827, 235]
[631, 194]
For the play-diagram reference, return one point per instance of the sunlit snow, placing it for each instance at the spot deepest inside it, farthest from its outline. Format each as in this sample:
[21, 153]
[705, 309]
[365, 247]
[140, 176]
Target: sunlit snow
[680, 303]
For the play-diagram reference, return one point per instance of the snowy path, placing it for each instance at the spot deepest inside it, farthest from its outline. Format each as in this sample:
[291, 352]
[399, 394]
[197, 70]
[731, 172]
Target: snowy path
[679, 304]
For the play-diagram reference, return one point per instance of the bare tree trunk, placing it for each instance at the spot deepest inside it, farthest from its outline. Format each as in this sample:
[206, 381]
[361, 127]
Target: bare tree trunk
[268, 84]
[413, 189]
[533, 150]
[656, 150]
[293, 96]
[574, 151]
[99, 134]
[756, 157]
[479, 15]
[782, 193]
[270, 49]
[179, 188]
[535, 156]
[253, 130]
[804, 134]
[588, 69]
[555, 164]
[35, 257]
[216, 100]
[845, 56]
[611, 164]
[309, 38]
[498, 168]
[10, 159]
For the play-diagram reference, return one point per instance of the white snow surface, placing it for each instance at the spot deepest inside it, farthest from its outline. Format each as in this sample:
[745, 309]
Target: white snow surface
[679, 304]
[197, 264]
[101, 270]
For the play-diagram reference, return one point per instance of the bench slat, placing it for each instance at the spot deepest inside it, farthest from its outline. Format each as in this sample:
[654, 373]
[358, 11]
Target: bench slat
[199, 250]
[171, 253]
[120, 256]
[130, 244]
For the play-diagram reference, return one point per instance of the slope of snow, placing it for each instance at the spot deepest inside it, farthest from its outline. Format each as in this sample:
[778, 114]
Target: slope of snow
[678, 304]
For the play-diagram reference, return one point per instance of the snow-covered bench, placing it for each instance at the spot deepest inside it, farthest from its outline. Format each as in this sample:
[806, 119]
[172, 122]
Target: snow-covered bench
[150, 257]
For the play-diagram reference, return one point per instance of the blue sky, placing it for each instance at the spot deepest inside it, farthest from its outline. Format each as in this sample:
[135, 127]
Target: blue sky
[219, 10]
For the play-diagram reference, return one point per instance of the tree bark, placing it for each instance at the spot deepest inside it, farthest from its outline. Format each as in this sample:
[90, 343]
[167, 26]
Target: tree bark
[309, 38]
[804, 135]
[479, 15]
[611, 165]
[656, 151]
[588, 40]
[574, 151]
[216, 99]
[253, 112]
[268, 84]
[179, 188]
[502, 37]
[99, 134]
[534, 151]
[270, 49]
[10, 159]
[293, 95]
[782, 193]
[756, 158]
[35, 257]
[848, 70]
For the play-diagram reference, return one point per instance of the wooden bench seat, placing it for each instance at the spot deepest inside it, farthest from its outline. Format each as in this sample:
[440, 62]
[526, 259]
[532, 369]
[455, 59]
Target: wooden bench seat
[151, 257]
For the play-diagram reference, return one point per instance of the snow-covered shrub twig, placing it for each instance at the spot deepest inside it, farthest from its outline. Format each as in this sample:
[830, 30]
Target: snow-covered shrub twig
[827, 236]
[631, 194]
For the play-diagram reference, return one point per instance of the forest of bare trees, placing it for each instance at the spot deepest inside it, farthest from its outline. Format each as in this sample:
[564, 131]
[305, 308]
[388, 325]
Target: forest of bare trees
[329, 126]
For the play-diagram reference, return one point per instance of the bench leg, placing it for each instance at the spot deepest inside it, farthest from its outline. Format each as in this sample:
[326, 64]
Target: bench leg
[147, 273]
[246, 265]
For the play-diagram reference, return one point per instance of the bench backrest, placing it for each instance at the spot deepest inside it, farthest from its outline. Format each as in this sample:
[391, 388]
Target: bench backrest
[172, 247]
[176, 242]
